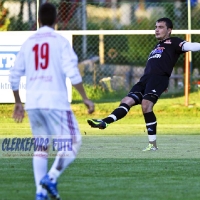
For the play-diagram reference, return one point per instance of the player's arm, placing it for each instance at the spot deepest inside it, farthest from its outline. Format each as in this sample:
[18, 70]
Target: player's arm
[15, 74]
[71, 70]
[191, 46]
[89, 104]
[18, 113]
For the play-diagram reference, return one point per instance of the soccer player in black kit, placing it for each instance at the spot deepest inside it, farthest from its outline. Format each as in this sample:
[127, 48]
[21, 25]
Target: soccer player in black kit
[154, 82]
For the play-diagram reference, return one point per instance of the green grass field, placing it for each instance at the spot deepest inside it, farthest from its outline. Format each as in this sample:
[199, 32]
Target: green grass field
[110, 164]
[114, 167]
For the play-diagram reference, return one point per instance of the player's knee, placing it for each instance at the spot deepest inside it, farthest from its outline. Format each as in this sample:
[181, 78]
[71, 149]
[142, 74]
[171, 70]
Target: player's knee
[127, 100]
[147, 106]
[76, 145]
[134, 98]
[151, 97]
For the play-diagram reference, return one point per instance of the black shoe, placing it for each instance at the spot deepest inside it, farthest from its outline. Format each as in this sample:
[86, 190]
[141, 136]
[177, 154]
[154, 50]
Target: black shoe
[97, 123]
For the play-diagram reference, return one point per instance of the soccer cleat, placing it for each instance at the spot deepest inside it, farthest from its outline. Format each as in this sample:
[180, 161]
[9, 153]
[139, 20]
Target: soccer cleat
[150, 147]
[50, 187]
[40, 196]
[97, 123]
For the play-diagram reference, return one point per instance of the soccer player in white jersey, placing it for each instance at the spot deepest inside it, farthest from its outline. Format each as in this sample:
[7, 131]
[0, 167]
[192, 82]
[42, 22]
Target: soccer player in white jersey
[46, 59]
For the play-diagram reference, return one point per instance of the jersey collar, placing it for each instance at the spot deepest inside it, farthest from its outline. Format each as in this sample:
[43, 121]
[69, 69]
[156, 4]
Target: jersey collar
[45, 29]
[164, 40]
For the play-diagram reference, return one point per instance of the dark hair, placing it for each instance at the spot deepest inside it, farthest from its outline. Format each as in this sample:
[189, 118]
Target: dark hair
[47, 14]
[167, 21]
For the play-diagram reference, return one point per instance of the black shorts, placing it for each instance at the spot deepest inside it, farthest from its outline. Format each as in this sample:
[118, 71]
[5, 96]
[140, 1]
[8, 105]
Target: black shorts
[149, 87]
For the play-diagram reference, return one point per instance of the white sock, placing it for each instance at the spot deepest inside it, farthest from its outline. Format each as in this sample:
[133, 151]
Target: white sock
[152, 138]
[40, 163]
[60, 164]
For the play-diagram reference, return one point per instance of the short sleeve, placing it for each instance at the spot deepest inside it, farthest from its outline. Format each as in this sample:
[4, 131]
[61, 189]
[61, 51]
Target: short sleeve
[178, 43]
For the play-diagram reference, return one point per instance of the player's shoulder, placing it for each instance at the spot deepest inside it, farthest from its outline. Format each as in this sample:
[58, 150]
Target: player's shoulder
[60, 37]
[176, 39]
[46, 32]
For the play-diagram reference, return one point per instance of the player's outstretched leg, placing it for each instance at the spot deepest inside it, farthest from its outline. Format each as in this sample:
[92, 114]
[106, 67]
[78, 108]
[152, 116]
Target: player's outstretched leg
[97, 123]
[117, 114]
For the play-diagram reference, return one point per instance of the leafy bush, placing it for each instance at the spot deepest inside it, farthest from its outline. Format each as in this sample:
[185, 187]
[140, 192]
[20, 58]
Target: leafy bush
[17, 25]
[4, 21]
[97, 93]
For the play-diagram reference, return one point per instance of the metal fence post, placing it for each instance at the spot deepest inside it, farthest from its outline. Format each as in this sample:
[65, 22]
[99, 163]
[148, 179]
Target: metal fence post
[187, 74]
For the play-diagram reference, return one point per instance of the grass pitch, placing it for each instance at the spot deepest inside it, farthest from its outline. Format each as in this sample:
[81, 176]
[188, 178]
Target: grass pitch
[115, 168]
[111, 164]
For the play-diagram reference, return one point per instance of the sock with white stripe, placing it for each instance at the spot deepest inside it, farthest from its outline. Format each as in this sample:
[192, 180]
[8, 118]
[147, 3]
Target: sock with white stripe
[117, 114]
[151, 124]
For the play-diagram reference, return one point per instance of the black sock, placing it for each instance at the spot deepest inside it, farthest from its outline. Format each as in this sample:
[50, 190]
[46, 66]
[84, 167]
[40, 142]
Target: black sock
[151, 123]
[117, 114]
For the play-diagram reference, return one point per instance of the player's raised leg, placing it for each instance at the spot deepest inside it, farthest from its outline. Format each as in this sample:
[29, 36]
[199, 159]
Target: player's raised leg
[120, 112]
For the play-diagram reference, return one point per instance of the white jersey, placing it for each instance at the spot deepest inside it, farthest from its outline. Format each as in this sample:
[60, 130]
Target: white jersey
[46, 59]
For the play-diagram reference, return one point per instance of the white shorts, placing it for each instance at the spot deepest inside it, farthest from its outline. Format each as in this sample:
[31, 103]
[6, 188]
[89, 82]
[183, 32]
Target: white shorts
[54, 123]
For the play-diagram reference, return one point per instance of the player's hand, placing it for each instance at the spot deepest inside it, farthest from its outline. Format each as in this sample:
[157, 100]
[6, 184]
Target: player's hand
[90, 105]
[18, 113]
[166, 90]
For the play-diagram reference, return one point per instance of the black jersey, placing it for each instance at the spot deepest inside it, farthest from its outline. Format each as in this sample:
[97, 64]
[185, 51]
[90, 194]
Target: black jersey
[164, 56]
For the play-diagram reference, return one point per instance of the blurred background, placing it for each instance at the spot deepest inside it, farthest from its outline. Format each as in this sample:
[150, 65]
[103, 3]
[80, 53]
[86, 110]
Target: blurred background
[124, 56]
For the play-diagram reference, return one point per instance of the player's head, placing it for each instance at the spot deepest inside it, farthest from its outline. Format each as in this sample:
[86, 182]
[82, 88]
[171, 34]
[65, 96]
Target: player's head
[163, 28]
[47, 14]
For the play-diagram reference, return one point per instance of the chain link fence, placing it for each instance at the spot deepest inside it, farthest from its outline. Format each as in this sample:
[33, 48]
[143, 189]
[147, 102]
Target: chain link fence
[124, 55]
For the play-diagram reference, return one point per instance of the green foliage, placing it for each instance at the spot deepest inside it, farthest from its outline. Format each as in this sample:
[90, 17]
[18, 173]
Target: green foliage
[195, 17]
[16, 24]
[98, 93]
[92, 46]
[129, 49]
[170, 104]
[139, 55]
[106, 24]
[4, 21]
[117, 48]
